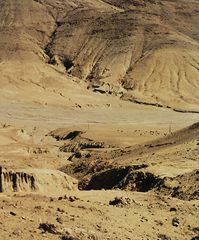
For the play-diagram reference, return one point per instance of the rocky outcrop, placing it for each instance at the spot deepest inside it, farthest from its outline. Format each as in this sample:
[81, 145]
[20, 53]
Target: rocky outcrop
[35, 180]
[185, 186]
[14, 181]
[108, 89]
[125, 178]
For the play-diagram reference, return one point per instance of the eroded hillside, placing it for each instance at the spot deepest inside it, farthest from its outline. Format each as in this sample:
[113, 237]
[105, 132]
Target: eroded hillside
[143, 51]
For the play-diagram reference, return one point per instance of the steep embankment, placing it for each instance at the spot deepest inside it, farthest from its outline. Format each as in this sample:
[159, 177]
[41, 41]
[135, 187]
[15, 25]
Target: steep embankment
[35, 180]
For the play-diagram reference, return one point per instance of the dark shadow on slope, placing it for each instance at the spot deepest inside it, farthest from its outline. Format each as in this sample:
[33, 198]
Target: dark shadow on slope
[124, 178]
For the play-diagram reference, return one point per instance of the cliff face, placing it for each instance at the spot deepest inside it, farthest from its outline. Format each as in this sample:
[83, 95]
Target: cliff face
[35, 180]
[145, 51]
[16, 181]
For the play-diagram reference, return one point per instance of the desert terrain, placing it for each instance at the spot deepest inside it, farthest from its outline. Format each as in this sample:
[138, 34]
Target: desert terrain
[99, 119]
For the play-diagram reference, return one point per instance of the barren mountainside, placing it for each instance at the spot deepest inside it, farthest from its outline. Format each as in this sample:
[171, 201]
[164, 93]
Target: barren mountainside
[143, 51]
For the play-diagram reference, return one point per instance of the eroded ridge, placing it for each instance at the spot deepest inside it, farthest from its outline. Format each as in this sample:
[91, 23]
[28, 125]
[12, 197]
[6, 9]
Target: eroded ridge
[35, 180]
